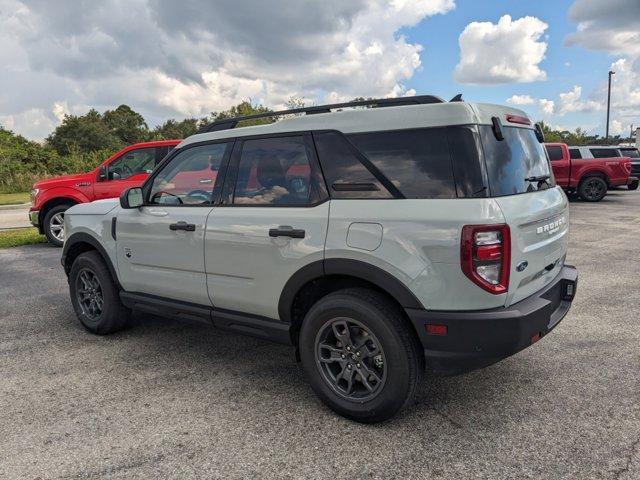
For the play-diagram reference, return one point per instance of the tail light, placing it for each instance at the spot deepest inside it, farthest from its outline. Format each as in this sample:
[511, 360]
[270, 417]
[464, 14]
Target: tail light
[485, 256]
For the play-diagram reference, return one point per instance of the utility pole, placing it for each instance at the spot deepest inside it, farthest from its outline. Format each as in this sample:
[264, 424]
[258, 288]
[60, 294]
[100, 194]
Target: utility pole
[611, 72]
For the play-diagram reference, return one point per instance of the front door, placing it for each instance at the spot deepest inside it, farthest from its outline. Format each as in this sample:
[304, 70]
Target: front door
[160, 246]
[272, 223]
[130, 169]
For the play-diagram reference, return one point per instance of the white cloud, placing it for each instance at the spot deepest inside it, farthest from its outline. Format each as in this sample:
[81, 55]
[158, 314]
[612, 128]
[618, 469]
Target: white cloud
[616, 128]
[506, 52]
[547, 106]
[572, 101]
[612, 25]
[521, 100]
[194, 57]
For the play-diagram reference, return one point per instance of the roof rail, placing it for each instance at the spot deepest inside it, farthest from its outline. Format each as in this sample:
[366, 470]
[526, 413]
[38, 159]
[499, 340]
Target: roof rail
[229, 123]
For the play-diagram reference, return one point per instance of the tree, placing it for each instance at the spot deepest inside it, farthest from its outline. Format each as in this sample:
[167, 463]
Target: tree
[241, 110]
[129, 126]
[176, 129]
[83, 133]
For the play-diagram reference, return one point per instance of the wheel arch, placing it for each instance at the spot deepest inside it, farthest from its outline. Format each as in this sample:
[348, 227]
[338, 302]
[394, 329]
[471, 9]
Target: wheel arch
[81, 242]
[322, 277]
[51, 203]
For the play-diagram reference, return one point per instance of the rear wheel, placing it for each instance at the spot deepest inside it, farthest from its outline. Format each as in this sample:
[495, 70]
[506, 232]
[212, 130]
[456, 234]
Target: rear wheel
[633, 185]
[53, 225]
[592, 189]
[95, 296]
[360, 356]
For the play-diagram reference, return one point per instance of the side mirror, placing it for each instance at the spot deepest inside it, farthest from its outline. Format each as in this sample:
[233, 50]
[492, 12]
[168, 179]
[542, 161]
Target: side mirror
[131, 198]
[102, 174]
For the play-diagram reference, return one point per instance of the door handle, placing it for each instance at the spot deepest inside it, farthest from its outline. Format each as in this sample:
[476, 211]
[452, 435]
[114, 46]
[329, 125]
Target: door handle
[286, 231]
[187, 227]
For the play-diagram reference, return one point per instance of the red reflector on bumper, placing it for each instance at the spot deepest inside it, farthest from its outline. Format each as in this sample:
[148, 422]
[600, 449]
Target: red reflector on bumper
[433, 329]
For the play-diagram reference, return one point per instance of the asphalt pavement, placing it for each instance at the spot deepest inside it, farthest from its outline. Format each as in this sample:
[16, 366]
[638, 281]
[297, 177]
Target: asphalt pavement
[165, 399]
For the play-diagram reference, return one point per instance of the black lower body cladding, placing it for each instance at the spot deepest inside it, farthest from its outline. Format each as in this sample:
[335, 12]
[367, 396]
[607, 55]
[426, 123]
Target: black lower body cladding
[475, 339]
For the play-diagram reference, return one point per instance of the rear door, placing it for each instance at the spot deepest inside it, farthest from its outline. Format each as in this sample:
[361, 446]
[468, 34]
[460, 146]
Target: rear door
[160, 246]
[536, 211]
[273, 222]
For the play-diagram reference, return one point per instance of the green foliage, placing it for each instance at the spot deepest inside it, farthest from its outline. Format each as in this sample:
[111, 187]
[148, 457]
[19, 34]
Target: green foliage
[128, 126]
[578, 137]
[84, 133]
[241, 110]
[174, 129]
[18, 237]
[14, 198]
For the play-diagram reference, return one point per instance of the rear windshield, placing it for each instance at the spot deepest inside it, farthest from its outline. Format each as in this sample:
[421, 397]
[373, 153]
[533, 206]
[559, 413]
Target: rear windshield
[555, 153]
[517, 164]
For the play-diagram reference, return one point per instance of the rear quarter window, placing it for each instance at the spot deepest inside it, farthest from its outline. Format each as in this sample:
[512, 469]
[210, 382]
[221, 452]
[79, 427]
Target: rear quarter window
[417, 162]
[574, 153]
[604, 152]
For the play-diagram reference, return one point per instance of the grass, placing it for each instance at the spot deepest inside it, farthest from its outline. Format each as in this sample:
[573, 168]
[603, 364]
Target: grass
[13, 198]
[20, 236]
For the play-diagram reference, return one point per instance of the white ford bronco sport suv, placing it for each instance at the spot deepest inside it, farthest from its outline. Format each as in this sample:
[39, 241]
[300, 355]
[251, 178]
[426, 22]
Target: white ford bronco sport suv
[406, 237]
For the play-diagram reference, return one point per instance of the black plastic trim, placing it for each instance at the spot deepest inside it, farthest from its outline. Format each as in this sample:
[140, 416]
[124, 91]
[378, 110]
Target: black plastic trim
[479, 338]
[81, 237]
[341, 266]
[243, 323]
[114, 221]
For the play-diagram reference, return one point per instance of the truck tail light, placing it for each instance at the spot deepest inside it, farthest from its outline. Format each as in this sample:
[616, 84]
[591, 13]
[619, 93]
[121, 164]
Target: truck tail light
[485, 256]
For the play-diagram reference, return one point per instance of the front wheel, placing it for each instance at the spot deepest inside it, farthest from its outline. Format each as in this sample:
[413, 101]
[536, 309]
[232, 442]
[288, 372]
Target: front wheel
[360, 356]
[592, 189]
[633, 185]
[53, 225]
[95, 296]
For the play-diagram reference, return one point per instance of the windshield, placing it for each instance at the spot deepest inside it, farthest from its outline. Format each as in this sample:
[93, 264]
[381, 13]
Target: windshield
[517, 164]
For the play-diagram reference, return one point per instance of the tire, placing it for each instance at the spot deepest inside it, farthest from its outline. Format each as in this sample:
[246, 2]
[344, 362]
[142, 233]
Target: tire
[633, 185]
[112, 315]
[592, 189]
[52, 226]
[396, 364]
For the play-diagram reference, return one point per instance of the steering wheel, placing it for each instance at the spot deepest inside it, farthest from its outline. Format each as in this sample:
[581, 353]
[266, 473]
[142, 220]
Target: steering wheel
[201, 194]
[156, 195]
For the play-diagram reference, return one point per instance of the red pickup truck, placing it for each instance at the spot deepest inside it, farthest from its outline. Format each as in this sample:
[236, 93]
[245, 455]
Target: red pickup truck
[127, 168]
[585, 173]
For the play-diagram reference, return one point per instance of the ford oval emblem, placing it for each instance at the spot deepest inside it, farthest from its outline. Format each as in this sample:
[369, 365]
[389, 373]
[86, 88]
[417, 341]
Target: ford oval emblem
[522, 266]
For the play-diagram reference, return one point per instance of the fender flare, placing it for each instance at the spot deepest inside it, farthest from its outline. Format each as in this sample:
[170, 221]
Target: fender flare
[342, 266]
[82, 237]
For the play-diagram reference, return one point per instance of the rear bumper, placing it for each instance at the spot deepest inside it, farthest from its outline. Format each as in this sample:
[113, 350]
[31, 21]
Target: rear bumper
[475, 339]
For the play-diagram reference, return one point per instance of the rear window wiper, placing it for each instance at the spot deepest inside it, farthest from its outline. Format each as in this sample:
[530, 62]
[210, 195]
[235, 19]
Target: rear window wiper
[538, 178]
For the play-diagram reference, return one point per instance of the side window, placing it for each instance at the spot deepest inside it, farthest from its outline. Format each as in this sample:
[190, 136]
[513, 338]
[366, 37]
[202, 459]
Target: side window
[465, 147]
[346, 176]
[555, 153]
[574, 153]
[142, 160]
[604, 152]
[190, 177]
[277, 171]
[417, 162]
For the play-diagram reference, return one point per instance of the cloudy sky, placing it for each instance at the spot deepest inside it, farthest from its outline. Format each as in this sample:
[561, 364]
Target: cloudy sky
[173, 59]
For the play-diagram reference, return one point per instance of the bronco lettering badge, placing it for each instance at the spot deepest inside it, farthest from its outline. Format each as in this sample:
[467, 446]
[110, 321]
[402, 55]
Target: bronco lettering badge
[552, 227]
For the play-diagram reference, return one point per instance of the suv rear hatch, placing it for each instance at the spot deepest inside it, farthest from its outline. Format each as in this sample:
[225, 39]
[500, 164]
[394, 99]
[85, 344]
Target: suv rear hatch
[521, 182]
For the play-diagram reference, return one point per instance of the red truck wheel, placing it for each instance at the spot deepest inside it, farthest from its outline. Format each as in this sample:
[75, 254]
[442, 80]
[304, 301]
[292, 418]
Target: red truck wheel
[592, 189]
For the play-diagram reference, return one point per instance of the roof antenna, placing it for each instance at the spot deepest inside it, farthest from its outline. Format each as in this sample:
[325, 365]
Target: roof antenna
[457, 98]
